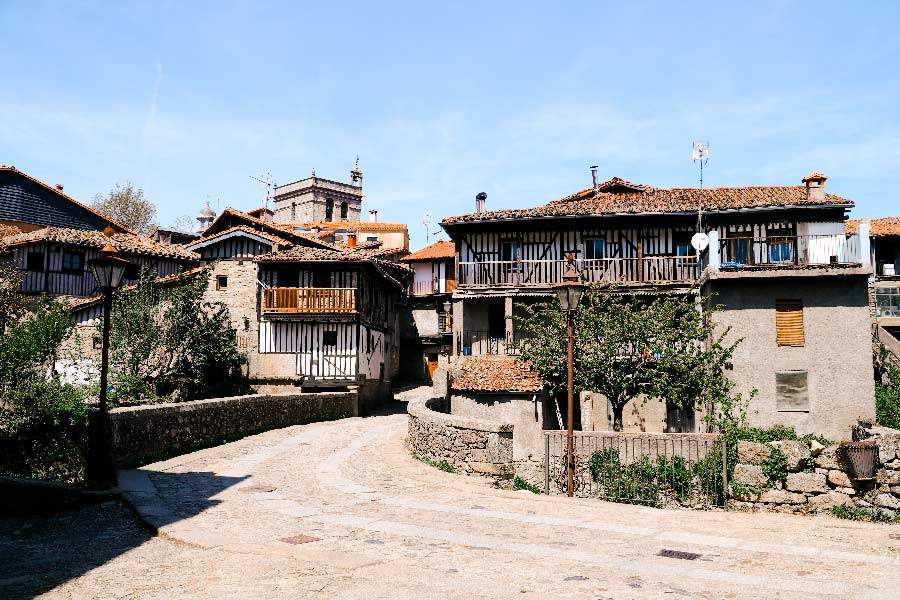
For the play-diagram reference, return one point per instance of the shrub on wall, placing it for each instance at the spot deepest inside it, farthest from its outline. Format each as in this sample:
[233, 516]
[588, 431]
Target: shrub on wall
[887, 390]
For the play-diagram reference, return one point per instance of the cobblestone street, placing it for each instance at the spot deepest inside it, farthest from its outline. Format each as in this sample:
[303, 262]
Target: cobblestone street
[340, 510]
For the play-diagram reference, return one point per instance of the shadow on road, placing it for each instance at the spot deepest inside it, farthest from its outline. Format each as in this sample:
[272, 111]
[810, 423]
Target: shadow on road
[39, 553]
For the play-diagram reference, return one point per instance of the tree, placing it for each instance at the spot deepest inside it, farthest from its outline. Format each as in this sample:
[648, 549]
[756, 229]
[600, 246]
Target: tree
[626, 346]
[170, 342]
[126, 205]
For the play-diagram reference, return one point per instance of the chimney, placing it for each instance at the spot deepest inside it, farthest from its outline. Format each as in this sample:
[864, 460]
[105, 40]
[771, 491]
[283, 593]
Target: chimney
[594, 176]
[351, 239]
[373, 216]
[815, 186]
[479, 202]
[59, 187]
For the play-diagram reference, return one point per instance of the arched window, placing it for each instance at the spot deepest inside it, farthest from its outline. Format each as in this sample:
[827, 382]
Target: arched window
[329, 209]
[343, 211]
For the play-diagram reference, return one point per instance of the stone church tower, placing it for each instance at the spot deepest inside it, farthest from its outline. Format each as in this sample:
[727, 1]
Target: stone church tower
[315, 199]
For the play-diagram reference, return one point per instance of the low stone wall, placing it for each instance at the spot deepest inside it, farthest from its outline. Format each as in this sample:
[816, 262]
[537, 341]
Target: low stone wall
[143, 434]
[472, 446]
[818, 478]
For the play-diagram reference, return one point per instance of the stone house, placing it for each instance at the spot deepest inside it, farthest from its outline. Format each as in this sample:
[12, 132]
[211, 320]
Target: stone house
[792, 281]
[308, 313]
[426, 324]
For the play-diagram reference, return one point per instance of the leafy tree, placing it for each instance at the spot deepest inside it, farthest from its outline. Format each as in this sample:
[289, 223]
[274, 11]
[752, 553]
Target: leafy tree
[126, 205]
[170, 342]
[625, 347]
[887, 389]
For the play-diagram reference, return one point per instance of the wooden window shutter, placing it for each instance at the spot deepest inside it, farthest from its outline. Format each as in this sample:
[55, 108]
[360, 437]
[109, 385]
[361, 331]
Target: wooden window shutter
[789, 323]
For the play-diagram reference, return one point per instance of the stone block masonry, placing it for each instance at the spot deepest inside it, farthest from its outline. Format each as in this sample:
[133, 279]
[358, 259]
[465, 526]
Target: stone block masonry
[471, 446]
[143, 434]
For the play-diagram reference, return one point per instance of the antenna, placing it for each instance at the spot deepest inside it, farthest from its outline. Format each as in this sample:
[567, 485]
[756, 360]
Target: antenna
[700, 154]
[269, 182]
[426, 221]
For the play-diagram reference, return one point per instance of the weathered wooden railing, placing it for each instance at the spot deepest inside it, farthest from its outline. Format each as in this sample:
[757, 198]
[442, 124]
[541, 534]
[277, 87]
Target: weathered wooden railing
[285, 300]
[790, 250]
[650, 269]
[436, 286]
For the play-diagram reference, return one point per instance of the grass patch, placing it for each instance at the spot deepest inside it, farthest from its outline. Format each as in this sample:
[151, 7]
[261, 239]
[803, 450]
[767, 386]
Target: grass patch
[852, 513]
[441, 465]
[521, 484]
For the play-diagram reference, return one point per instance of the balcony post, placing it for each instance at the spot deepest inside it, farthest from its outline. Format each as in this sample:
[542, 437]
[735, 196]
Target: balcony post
[865, 245]
[508, 321]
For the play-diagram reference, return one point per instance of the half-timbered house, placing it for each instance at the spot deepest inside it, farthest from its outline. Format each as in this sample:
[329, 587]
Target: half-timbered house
[426, 324]
[770, 248]
[53, 260]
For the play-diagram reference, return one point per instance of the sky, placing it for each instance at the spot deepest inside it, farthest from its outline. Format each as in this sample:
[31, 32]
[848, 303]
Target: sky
[440, 101]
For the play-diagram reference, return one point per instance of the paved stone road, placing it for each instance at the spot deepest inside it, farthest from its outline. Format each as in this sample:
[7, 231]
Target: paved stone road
[340, 510]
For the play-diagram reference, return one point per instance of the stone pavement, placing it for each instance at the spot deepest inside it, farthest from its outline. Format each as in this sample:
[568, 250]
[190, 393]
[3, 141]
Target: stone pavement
[340, 510]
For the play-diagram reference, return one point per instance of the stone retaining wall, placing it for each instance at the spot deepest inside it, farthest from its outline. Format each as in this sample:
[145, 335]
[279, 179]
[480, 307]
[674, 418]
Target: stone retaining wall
[472, 446]
[818, 479]
[143, 434]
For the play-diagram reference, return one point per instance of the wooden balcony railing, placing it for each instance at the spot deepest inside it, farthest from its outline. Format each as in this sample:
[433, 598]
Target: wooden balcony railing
[426, 288]
[649, 269]
[284, 300]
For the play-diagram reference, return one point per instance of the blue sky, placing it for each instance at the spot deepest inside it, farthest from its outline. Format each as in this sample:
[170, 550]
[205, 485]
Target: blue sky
[443, 100]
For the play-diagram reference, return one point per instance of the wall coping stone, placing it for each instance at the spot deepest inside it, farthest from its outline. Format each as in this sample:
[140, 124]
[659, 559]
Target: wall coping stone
[420, 410]
[124, 412]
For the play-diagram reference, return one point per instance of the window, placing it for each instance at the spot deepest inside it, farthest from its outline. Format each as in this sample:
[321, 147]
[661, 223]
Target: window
[329, 209]
[132, 272]
[681, 242]
[329, 338]
[509, 250]
[343, 211]
[221, 282]
[96, 342]
[72, 262]
[294, 211]
[35, 261]
[780, 241]
[678, 419]
[371, 238]
[594, 249]
[321, 279]
[792, 391]
[789, 323]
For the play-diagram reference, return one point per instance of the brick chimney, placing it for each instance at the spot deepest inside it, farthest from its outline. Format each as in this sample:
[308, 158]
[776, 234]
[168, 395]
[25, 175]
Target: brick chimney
[373, 216]
[59, 187]
[351, 239]
[815, 186]
[479, 202]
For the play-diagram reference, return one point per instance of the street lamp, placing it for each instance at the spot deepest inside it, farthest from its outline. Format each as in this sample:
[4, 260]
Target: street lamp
[570, 291]
[108, 270]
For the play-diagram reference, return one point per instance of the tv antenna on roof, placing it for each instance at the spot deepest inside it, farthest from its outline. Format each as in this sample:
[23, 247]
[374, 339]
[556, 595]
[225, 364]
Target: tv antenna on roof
[426, 221]
[269, 182]
[700, 154]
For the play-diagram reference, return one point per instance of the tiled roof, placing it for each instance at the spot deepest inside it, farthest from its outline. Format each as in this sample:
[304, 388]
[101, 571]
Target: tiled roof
[656, 200]
[76, 304]
[437, 250]
[16, 201]
[261, 225]
[353, 225]
[123, 242]
[275, 239]
[883, 227]
[369, 254]
[494, 374]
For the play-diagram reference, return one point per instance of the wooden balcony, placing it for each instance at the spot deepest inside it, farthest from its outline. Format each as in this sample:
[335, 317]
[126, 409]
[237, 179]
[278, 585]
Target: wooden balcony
[427, 288]
[790, 251]
[285, 300]
[545, 273]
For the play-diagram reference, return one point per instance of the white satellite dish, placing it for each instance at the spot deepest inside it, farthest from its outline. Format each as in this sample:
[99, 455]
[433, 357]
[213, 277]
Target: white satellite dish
[700, 241]
[700, 151]
[426, 218]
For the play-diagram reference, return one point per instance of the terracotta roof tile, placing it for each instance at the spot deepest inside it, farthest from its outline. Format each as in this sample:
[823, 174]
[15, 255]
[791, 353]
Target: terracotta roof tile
[123, 242]
[262, 225]
[353, 225]
[244, 228]
[81, 303]
[494, 374]
[621, 198]
[437, 250]
[883, 227]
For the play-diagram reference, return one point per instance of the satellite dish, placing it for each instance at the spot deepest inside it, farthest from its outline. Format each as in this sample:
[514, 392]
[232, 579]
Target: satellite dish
[700, 151]
[426, 218]
[700, 241]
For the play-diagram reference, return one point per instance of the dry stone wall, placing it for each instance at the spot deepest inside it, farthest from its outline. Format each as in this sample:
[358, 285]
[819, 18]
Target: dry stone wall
[818, 478]
[143, 434]
[471, 446]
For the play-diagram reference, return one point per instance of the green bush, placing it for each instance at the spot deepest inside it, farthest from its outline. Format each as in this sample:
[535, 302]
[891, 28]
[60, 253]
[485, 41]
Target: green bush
[887, 389]
[521, 484]
[776, 466]
[845, 511]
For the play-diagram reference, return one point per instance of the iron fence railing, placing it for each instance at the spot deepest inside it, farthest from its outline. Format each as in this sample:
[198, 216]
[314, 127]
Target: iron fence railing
[790, 250]
[482, 343]
[650, 469]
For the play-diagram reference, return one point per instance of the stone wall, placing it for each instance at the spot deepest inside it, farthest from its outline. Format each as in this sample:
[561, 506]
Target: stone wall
[471, 446]
[819, 478]
[144, 434]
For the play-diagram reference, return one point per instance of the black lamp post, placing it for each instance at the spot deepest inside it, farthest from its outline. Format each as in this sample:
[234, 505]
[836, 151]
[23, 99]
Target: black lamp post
[108, 270]
[570, 292]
